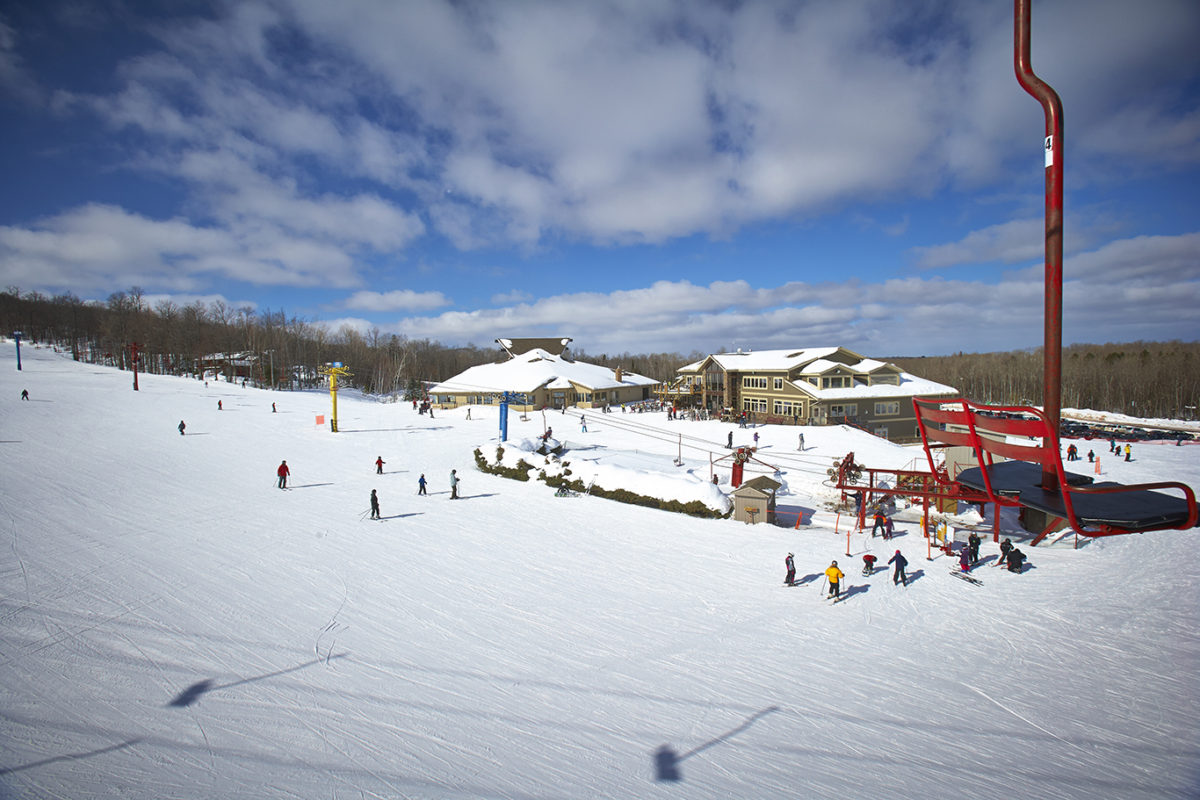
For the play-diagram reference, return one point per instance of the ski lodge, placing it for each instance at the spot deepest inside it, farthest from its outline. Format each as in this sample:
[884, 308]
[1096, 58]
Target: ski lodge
[814, 386]
[540, 373]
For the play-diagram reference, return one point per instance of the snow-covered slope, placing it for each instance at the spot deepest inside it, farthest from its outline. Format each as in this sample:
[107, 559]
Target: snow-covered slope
[173, 625]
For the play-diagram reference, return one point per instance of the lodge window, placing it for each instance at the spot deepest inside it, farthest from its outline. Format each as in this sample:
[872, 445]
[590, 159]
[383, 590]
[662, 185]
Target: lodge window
[753, 383]
[887, 409]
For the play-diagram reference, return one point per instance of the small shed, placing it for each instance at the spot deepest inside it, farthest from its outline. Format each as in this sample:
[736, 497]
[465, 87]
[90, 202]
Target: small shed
[754, 500]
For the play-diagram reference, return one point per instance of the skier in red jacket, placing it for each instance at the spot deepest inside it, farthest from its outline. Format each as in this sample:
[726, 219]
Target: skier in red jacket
[283, 473]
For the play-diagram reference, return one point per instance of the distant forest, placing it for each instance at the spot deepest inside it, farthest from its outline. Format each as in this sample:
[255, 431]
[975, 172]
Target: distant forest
[1146, 379]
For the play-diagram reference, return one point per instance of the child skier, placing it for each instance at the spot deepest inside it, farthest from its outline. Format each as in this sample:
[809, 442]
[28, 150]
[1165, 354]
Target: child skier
[374, 505]
[901, 562]
[421, 484]
[283, 473]
[790, 578]
[379, 462]
[835, 576]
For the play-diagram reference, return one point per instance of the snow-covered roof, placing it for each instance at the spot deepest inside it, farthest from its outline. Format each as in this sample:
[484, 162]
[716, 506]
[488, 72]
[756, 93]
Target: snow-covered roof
[532, 370]
[910, 386]
[771, 360]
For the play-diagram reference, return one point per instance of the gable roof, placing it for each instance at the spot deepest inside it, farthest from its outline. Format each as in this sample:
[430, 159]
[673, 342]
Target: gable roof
[553, 345]
[534, 369]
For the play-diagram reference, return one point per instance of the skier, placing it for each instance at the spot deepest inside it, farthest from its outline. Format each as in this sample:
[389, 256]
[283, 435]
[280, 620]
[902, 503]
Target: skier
[888, 530]
[834, 575]
[218, 405]
[181, 427]
[729, 441]
[868, 564]
[374, 505]
[582, 424]
[1091, 456]
[421, 484]
[964, 559]
[453, 485]
[790, 578]
[901, 562]
[801, 448]
[283, 473]
[756, 440]
[1005, 547]
[379, 462]
[879, 524]
[1128, 451]
[272, 408]
[24, 394]
[973, 545]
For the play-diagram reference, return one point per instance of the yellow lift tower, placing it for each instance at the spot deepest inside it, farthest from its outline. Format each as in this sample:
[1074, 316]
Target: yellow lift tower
[335, 370]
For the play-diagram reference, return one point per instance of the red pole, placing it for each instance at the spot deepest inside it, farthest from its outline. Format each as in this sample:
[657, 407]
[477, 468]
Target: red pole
[1052, 106]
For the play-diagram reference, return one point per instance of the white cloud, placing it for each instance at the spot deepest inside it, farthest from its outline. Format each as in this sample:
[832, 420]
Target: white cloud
[399, 300]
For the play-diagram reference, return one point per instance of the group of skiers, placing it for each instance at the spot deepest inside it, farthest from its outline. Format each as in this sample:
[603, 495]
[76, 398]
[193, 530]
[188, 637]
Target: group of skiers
[1010, 556]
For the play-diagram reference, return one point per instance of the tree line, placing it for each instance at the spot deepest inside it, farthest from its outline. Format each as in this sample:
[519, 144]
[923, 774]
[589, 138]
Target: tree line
[1143, 379]
[267, 347]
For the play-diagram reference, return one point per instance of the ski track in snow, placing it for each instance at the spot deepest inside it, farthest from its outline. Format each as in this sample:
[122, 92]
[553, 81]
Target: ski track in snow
[173, 625]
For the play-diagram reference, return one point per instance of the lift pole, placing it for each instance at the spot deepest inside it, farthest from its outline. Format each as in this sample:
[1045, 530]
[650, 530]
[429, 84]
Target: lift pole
[1053, 145]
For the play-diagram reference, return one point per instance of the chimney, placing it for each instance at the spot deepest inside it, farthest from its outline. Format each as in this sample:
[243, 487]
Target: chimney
[617, 372]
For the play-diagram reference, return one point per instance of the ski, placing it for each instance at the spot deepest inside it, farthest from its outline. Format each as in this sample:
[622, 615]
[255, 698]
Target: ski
[968, 578]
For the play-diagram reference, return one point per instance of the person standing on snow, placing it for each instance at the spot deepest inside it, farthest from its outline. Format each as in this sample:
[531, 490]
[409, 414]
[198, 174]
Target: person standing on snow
[283, 473]
[1005, 547]
[374, 505]
[880, 523]
[24, 394]
[888, 529]
[181, 427]
[421, 484]
[973, 546]
[379, 462]
[453, 485]
[964, 559]
[835, 576]
[790, 578]
[901, 562]
[1128, 451]
[219, 405]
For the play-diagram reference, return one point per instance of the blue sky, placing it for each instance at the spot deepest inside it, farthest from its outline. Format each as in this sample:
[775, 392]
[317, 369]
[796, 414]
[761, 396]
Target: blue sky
[641, 176]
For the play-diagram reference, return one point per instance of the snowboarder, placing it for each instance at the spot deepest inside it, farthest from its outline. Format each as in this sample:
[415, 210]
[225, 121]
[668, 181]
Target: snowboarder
[868, 564]
[379, 462]
[835, 576]
[421, 484]
[24, 394]
[790, 578]
[181, 427]
[453, 485]
[1015, 559]
[283, 473]
[374, 505]
[1005, 547]
[973, 546]
[901, 562]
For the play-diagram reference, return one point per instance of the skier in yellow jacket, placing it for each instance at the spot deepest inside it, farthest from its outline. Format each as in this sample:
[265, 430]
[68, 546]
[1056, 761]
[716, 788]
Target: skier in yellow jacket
[835, 576]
